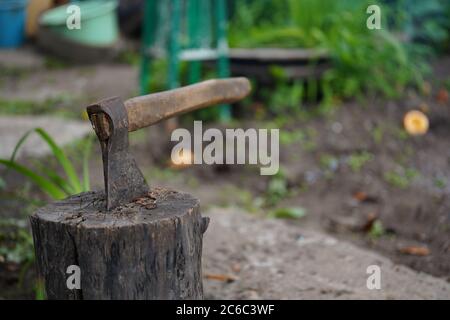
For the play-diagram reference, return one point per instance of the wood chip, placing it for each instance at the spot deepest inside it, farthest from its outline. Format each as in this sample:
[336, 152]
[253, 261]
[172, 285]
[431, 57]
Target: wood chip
[221, 277]
[415, 251]
[371, 218]
[361, 196]
[442, 96]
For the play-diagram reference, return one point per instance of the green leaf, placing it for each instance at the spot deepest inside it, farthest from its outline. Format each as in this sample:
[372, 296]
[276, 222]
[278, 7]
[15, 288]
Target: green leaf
[62, 159]
[40, 289]
[47, 186]
[377, 230]
[19, 144]
[288, 213]
[57, 179]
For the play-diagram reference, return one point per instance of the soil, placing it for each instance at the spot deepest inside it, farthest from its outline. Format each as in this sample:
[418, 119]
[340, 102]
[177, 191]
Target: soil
[344, 200]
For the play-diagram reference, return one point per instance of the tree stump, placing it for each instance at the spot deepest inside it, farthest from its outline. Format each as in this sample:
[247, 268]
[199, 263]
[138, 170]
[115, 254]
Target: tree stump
[148, 249]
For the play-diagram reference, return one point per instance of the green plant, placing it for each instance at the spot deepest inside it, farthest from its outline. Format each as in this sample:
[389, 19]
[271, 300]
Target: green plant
[277, 189]
[377, 230]
[39, 289]
[288, 213]
[364, 60]
[53, 63]
[440, 182]
[285, 98]
[17, 244]
[289, 137]
[377, 134]
[50, 181]
[357, 160]
[401, 178]
[422, 21]
[52, 105]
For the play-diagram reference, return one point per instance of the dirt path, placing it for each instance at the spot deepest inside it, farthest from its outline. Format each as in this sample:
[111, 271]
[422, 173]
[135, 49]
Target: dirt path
[246, 257]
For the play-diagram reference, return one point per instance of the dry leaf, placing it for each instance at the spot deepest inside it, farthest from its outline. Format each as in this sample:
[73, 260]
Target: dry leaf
[415, 251]
[221, 277]
[361, 196]
[371, 218]
[442, 96]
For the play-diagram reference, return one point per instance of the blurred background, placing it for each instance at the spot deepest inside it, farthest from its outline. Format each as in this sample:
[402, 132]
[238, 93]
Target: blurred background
[364, 114]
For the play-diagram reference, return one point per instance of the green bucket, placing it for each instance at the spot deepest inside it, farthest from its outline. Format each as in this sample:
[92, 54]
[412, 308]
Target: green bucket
[98, 22]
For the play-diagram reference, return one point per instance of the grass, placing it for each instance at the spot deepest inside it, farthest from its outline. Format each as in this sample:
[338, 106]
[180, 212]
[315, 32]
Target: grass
[377, 230]
[364, 61]
[288, 213]
[49, 180]
[356, 161]
[17, 246]
[402, 178]
[26, 107]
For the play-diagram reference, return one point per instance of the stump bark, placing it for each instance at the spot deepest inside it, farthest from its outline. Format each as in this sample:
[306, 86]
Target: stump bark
[148, 249]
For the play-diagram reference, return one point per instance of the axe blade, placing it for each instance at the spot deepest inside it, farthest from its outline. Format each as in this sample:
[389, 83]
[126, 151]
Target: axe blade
[123, 179]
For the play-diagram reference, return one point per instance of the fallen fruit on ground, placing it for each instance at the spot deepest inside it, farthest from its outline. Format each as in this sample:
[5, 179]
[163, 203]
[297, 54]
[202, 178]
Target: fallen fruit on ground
[415, 123]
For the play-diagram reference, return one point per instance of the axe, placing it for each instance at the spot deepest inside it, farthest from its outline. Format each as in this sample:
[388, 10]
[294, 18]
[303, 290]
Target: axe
[112, 119]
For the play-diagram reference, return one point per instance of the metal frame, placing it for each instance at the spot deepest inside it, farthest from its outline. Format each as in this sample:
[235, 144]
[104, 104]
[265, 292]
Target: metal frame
[193, 52]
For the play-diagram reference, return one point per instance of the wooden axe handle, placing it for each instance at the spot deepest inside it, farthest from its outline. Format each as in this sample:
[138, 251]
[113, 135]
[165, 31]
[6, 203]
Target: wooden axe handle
[147, 110]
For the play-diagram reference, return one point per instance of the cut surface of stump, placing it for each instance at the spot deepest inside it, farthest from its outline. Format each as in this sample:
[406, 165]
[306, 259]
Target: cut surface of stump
[148, 249]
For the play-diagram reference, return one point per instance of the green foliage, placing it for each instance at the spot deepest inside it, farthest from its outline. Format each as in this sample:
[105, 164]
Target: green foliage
[401, 178]
[39, 290]
[277, 189]
[285, 98]
[53, 63]
[422, 21]
[16, 246]
[364, 60]
[53, 105]
[357, 160]
[16, 242]
[377, 230]
[288, 213]
[377, 134]
[290, 137]
[50, 181]
[440, 182]
[327, 161]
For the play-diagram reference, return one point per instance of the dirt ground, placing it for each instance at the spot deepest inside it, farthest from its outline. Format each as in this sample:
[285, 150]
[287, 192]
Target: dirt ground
[357, 174]
[355, 168]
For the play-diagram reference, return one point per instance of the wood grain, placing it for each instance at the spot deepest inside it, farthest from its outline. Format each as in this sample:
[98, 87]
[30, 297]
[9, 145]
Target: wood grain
[148, 249]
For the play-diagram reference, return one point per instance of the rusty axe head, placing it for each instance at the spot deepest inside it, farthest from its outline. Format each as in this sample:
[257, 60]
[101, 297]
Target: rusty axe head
[123, 179]
[112, 119]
